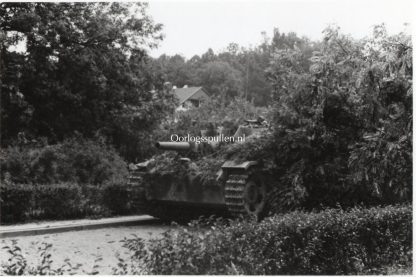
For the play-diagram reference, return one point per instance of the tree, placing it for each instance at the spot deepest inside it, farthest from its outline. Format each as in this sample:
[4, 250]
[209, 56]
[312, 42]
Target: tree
[172, 69]
[343, 120]
[82, 70]
[220, 79]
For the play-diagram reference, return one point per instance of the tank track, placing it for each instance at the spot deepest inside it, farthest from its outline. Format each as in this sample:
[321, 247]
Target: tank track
[234, 194]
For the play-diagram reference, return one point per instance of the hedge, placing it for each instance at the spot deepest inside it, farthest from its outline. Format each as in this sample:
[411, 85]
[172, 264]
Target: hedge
[76, 160]
[11, 201]
[22, 202]
[358, 241]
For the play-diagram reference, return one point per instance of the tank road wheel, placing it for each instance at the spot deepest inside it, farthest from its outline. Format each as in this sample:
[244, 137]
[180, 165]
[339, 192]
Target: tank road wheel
[245, 195]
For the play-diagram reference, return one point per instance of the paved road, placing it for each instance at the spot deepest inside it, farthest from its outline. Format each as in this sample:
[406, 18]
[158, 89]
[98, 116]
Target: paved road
[83, 247]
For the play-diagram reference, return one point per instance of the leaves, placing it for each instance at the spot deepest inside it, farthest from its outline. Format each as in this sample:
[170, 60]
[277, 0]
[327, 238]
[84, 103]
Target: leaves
[81, 66]
[332, 241]
[326, 110]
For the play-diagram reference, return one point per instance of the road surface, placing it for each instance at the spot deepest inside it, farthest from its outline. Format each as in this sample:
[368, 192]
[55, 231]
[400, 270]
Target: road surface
[83, 247]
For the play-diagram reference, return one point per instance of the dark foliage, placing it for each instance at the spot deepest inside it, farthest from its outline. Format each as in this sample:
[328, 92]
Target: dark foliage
[358, 241]
[11, 201]
[60, 201]
[343, 122]
[74, 160]
[22, 202]
[81, 70]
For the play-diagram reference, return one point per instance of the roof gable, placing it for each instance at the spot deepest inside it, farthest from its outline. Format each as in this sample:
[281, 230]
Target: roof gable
[184, 94]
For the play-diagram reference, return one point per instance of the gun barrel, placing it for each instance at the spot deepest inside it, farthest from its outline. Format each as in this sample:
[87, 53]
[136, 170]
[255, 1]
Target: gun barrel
[177, 146]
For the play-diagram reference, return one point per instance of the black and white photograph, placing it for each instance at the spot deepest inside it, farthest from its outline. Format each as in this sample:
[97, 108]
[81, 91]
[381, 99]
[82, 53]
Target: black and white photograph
[206, 137]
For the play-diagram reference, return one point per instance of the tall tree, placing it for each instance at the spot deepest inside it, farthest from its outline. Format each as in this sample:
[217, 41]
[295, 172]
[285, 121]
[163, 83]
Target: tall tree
[79, 69]
[221, 80]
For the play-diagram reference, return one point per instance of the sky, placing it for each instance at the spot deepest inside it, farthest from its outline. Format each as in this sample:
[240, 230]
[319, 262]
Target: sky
[191, 27]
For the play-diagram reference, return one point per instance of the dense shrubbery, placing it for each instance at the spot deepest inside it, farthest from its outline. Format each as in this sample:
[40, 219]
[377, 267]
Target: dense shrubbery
[343, 121]
[15, 202]
[358, 241]
[66, 180]
[20, 202]
[60, 201]
[74, 160]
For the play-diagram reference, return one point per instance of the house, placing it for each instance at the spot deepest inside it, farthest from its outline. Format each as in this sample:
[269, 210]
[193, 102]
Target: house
[190, 97]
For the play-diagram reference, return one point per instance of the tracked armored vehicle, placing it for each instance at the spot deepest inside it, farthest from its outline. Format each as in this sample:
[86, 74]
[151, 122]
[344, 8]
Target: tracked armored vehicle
[180, 190]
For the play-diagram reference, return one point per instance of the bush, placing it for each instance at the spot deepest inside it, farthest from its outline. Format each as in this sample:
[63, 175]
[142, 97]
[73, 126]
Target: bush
[16, 201]
[20, 202]
[343, 125]
[59, 201]
[62, 180]
[93, 202]
[74, 160]
[359, 241]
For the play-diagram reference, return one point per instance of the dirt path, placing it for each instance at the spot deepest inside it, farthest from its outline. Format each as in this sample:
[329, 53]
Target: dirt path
[82, 247]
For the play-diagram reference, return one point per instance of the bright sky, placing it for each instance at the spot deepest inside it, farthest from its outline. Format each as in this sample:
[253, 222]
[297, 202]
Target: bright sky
[191, 27]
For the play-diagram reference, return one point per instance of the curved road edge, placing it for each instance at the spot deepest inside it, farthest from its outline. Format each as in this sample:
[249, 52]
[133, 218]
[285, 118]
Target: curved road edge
[73, 225]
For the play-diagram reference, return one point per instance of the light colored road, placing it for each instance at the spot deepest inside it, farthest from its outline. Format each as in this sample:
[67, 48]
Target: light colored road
[83, 247]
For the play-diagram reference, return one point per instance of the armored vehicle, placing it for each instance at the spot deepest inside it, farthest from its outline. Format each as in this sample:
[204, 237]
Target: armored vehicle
[179, 190]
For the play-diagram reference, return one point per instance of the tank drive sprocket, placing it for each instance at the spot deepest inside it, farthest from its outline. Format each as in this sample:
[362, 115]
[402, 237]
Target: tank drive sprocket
[245, 194]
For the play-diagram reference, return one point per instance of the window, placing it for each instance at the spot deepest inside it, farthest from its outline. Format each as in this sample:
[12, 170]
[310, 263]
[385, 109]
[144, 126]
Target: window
[195, 103]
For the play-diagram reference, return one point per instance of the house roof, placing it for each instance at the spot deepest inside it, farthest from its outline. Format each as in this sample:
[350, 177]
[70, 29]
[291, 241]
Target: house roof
[184, 94]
